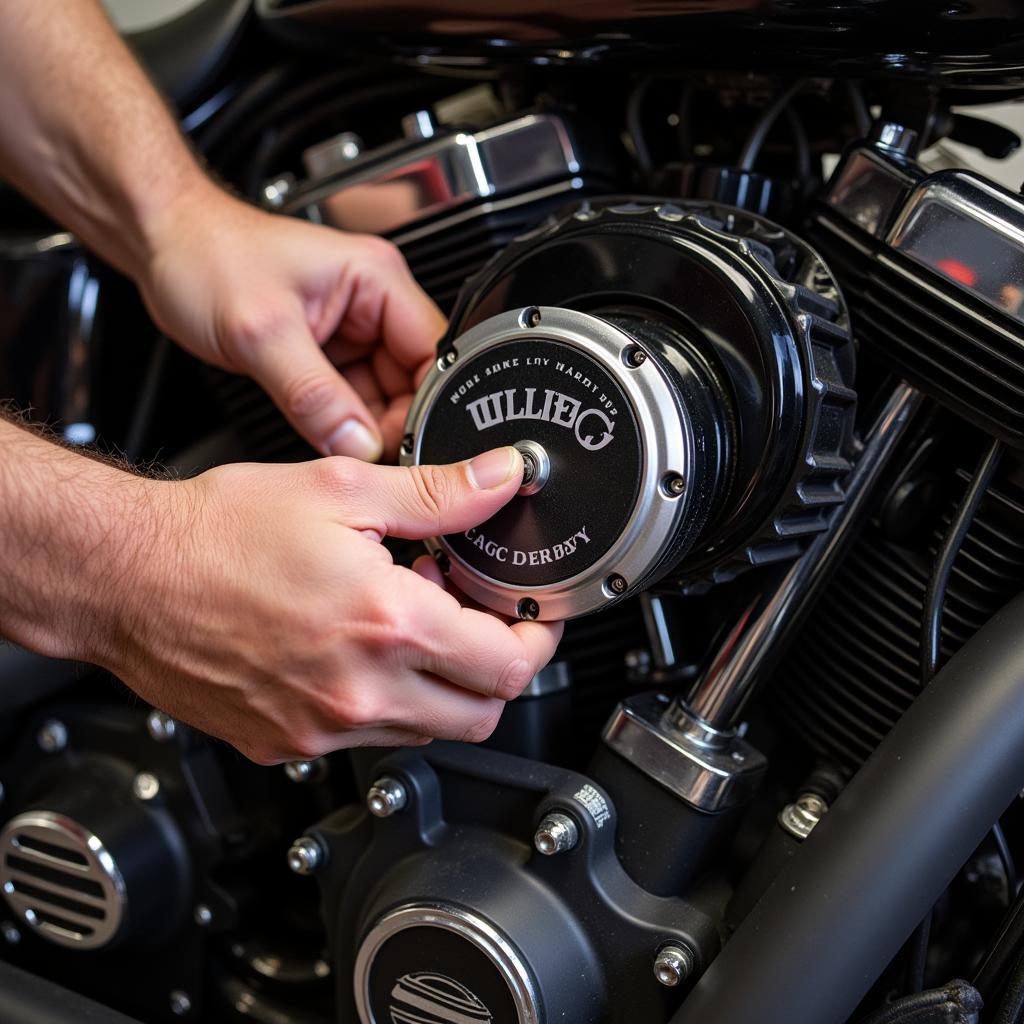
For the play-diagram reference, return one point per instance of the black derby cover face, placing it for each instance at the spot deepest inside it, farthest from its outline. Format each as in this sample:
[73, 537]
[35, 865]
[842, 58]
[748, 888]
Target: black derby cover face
[561, 398]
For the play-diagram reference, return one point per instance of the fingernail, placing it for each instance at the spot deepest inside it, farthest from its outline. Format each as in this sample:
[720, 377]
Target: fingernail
[493, 468]
[354, 439]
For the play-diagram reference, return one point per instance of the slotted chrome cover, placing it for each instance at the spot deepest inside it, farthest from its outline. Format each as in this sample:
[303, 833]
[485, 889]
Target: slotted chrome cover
[60, 880]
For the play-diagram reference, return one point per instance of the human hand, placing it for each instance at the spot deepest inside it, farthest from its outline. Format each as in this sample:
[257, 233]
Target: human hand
[286, 302]
[265, 610]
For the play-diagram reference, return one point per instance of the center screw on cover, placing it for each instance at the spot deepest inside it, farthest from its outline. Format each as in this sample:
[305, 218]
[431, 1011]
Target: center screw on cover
[536, 466]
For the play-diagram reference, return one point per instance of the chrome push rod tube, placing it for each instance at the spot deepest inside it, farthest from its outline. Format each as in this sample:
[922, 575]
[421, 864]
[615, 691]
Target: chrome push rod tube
[754, 644]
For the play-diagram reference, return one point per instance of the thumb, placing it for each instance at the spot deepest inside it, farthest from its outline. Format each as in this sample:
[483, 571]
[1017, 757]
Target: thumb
[316, 399]
[414, 502]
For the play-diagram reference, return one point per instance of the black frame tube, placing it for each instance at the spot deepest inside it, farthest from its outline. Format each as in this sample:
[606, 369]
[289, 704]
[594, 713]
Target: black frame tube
[893, 841]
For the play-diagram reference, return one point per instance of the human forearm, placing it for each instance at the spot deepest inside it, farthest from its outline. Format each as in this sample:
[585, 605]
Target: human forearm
[84, 133]
[72, 531]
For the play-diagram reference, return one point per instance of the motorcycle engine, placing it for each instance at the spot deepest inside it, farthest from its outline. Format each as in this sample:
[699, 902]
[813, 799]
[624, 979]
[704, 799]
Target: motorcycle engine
[678, 379]
[678, 374]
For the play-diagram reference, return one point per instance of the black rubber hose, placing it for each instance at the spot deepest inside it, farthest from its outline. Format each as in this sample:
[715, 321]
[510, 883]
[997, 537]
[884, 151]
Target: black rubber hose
[935, 597]
[861, 114]
[752, 147]
[954, 1003]
[930, 644]
[892, 842]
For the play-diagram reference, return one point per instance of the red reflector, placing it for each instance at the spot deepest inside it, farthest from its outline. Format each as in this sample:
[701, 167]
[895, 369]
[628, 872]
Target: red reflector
[958, 271]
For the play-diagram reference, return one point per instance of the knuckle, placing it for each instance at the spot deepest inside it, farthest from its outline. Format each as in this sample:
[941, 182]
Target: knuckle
[308, 395]
[336, 475]
[513, 679]
[252, 326]
[484, 726]
[383, 250]
[357, 707]
[434, 490]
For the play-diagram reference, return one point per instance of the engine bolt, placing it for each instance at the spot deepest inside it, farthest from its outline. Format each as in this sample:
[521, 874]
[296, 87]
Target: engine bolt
[557, 833]
[530, 317]
[616, 583]
[160, 727]
[305, 856]
[180, 1003]
[145, 786]
[448, 359]
[528, 609]
[386, 796]
[52, 736]
[673, 965]
[202, 915]
[635, 357]
[11, 934]
[673, 485]
[407, 443]
[305, 771]
[799, 818]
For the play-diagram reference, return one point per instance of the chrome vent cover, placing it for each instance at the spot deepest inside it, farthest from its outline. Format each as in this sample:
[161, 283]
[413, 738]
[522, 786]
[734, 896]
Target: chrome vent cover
[60, 880]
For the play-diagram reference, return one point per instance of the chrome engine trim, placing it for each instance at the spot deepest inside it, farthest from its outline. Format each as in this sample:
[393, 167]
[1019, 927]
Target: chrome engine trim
[667, 446]
[382, 193]
[87, 910]
[488, 939]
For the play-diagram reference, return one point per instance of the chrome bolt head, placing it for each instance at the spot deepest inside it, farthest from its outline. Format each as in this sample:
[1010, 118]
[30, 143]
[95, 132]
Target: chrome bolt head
[160, 727]
[202, 915]
[799, 818]
[10, 933]
[557, 833]
[304, 771]
[305, 856]
[180, 1003]
[145, 786]
[52, 736]
[673, 965]
[386, 796]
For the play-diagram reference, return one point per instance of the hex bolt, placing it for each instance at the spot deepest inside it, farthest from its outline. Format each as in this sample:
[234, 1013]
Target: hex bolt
[180, 1003]
[557, 833]
[530, 317]
[305, 856]
[673, 485]
[673, 965]
[635, 357]
[52, 736]
[160, 727]
[202, 915]
[10, 933]
[145, 786]
[386, 796]
[616, 584]
[305, 771]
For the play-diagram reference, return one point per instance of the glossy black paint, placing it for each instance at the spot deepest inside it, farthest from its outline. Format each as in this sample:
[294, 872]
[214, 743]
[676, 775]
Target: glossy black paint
[702, 287]
[886, 850]
[964, 44]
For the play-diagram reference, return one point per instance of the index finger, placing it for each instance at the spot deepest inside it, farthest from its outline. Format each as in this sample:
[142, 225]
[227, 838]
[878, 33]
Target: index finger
[475, 649]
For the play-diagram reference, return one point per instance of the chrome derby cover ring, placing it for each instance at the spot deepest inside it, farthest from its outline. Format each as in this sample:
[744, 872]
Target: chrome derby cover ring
[620, 451]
